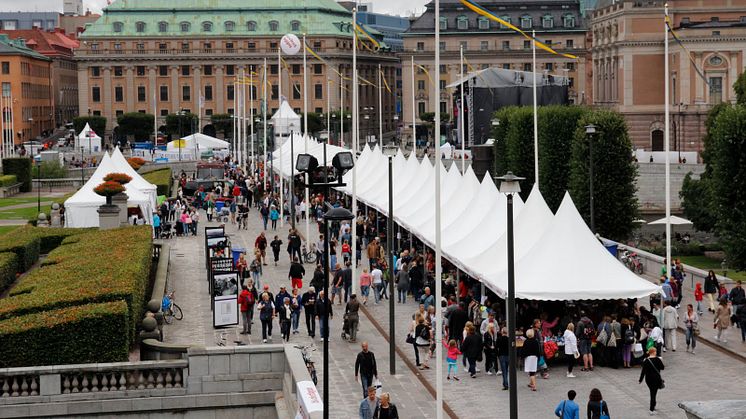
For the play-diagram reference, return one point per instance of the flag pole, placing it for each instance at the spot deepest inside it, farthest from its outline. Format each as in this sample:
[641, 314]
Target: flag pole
[264, 116]
[278, 132]
[251, 119]
[354, 141]
[536, 114]
[414, 111]
[668, 145]
[380, 108]
[438, 264]
[462, 115]
[305, 145]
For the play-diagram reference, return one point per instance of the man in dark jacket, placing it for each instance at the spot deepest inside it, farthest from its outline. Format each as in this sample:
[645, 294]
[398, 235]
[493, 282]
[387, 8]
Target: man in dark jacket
[296, 274]
[456, 323]
[280, 297]
[346, 275]
[309, 307]
[323, 307]
[317, 282]
[284, 314]
[294, 244]
[365, 366]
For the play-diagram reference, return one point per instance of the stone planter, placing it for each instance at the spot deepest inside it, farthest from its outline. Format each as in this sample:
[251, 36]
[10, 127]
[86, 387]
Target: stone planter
[108, 217]
[120, 200]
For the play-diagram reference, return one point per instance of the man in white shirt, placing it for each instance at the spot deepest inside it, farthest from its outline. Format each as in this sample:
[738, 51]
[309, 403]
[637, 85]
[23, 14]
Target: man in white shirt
[377, 276]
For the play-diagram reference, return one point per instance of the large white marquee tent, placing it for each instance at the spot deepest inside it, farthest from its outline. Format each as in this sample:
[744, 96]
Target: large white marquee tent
[138, 182]
[198, 141]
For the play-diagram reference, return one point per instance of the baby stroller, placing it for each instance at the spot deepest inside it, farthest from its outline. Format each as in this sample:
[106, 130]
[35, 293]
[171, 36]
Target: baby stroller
[346, 328]
[224, 215]
[167, 231]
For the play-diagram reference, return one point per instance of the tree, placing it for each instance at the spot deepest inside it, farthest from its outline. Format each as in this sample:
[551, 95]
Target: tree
[97, 124]
[740, 87]
[181, 124]
[315, 124]
[223, 122]
[136, 124]
[614, 174]
[519, 148]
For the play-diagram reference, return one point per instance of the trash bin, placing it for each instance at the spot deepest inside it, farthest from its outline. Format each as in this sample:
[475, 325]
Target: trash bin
[219, 206]
[236, 254]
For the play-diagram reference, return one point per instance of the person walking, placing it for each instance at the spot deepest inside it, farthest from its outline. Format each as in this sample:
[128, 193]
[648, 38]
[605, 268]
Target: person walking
[365, 367]
[261, 244]
[741, 319]
[322, 308]
[531, 354]
[377, 279]
[246, 302]
[691, 323]
[568, 409]
[722, 320]
[503, 357]
[369, 404]
[457, 321]
[571, 348]
[296, 303]
[712, 286]
[266, 313]
[309, 307]
[452, 358]
[698, 296]
[264, 212]
[472, 349]
[285, 313]
[489, 340]
[402, 283]
[422, 339]
[651, 373]
[670, 323]
[365, 281]
[353, 317]
[276, 245]
[597, 407]
[386, 409]
[296, 273]
[274, 215]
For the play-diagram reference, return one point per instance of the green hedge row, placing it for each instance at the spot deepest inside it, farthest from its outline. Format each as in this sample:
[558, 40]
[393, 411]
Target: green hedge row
[8, 269]
[8, 180]
[21, 168]
[80, 334]
[161, 179]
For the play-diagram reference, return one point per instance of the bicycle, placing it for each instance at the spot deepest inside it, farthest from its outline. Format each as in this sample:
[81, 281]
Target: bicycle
[307, 359]
[170, 309]
[309, 256]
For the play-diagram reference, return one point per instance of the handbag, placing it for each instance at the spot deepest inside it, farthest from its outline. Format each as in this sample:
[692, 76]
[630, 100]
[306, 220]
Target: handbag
[410, 339]
[637, 350]
[602, 337]
[378, 386]
[601, 411]
[612, 341]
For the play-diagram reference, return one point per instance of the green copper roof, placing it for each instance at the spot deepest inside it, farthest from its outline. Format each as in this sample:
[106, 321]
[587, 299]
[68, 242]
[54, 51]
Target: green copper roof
[172, 18]
[18, 47]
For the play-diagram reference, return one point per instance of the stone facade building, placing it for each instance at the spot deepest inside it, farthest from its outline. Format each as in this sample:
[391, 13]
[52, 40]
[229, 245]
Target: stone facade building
[181, 52]
[628, 64]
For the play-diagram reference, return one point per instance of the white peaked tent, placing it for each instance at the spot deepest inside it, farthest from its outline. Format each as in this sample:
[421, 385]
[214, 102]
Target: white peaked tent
[198, 141]
[80, 209]
[285, 121]
[138, 182]
[283, 162]
[677, 221]
[89, 140]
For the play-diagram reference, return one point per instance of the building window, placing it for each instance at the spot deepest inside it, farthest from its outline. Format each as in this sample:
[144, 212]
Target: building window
[483, 23]
[506, 45]
[318, 91]
[252, 45]
[442, 45]
[569, 44]
[119, 113]
[716, 90]
[443, 69]
[274, 25]
[549, 66]
[317, 69]
[230, 26]
[527, 22]
[716, 60]
[118, 94]
[186, 93]
[230, 69]
[117, 46]
[462, 23]
[506, 66]
[96, 71]
[140, 46]
[162, 48]
[96, 94]
[657, 142]
[206, 26]
[420, 108]
[162, 26]
[273, 69]
[296, 91]
[229, 46]
[526, 66]
[140, 70]
[570, 66]
[163, 70]
[273, 94]
[164, 93]
[185, 70]
[208, 92]
[484, 45]
[208, 70]
[251, 26]
[295, 26]
[420, 46]
[420, 84]
[317, 44]
[185, 47]
[208, 112]
[526, 44]
[118, 71]
[568, 21]
[442, 86]
[140, 27]
[118, 26]
[141, 93]
[164, 112]
[547, 22]
[296, 68]
[6, 67]
[96, 113]
[207, 47]
[185, 26]
[230, 92]
[506, 18]
[443, 23]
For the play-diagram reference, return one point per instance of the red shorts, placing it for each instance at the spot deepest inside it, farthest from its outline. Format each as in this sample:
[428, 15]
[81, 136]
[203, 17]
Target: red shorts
[297, 283]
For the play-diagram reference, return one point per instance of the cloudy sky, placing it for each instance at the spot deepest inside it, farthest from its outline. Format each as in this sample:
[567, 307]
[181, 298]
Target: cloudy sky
[379, 6]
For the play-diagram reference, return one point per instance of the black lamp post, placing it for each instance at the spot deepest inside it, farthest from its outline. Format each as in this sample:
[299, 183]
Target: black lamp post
[390, 151]
[590, 131]
[38, 186]
[510, 185]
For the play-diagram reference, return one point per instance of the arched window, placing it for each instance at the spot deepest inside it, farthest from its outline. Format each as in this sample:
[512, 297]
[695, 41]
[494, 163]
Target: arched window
[547, 22]
[295, 26]
[230, 26]
[140, 27]
[251, 26]
[483, 22]
[274, 25]
[206, 26]
[185, 26]
[527, 22]
[568, 21]
[462, 23]
[656, 140]
[118, 26]
[162, 27]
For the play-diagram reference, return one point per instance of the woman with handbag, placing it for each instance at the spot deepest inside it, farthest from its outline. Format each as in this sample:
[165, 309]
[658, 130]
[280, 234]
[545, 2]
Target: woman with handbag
[597, 407]
[423, 335]
[489, 340]
[722, 320]
[651, 372]
[691, 322]
[571, 348]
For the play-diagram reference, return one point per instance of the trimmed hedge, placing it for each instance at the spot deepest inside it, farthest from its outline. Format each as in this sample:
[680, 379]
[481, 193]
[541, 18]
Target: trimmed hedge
[8, 180]
[8, 269]
[81, 334]
[161, 179]
[21, 168]
[26, 249]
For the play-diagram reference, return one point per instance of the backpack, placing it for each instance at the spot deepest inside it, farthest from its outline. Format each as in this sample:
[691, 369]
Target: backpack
[250, 299]
[588, 331]
[425, 333]
[629, 336]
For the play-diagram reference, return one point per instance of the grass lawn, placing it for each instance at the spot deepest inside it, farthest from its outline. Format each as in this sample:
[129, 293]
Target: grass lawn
[22, 213]
[703, 262]
[6, 202]
[7, 229]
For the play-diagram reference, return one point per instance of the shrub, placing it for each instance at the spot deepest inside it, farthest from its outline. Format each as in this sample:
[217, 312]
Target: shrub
[8, 180]
[71, 335]
[109, 188]
[121, 178]
[136, 162]
[8, 269]
[97, 124]
[27, 250]
[21, 167]
[49, 170]
[161, 179]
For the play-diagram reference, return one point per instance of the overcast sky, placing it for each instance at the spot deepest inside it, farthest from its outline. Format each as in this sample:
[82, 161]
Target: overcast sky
[380, 6]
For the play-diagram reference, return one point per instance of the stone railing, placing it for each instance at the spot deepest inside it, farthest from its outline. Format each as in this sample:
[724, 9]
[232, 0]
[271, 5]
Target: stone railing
[10, 190]
[56, 183]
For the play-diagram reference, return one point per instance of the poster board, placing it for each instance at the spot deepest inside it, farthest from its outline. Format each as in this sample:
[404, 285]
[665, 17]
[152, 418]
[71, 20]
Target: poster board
[211, 232]
[309, 400]
[225, 299]
[218, 265]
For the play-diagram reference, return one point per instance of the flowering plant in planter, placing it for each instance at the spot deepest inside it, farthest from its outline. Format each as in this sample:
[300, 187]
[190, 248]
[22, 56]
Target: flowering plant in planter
[109, 189]
[120, 178]
[136, 162]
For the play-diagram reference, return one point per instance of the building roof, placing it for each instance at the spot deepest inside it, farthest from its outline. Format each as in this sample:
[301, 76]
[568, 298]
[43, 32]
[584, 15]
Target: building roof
[316, 17]
[451, 10]
[17, 47]
[48, 43]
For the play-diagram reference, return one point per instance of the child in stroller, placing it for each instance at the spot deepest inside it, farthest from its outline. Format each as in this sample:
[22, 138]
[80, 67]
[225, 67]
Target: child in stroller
[346, 328]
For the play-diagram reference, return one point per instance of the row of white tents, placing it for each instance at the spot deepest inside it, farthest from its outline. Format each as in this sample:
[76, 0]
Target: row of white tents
[80, 209]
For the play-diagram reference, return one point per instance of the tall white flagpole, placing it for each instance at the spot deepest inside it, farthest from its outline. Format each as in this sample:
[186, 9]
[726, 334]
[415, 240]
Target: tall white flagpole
[414, 112]
[277, 131]
[438, 251]
[251, 119]
[668, 146]
[462, 115]
[380, 107]
[264, 116]
[341, 109]
[354, 140]
[239, 116]
[536, 114]
[305, 136]
[242, 120]
[234, 118]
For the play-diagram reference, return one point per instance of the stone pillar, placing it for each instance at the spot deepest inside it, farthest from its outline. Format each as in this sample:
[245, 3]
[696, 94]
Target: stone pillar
[54, 214]
[108, 217]
[120, 200]
[175, 89]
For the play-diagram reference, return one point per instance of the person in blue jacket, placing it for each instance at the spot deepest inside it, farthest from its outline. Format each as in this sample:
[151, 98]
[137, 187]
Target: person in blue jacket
[568, 409]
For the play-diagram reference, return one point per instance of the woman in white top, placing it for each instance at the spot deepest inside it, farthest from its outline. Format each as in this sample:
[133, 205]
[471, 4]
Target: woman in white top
[571, 348]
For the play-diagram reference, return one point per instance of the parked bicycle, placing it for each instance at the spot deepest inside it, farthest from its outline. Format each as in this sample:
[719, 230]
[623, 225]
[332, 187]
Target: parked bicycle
[304, 351]
[309, 256]
[170, 309]
[632, 261]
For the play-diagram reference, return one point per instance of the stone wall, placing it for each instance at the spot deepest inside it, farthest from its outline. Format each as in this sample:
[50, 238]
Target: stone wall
[651, 191]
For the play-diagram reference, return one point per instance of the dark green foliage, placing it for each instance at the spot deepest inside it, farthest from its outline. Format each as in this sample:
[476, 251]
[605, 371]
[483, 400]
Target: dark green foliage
[8, 269]
[740, 87]
[21, 168]
[136, 124]
[520, 147]
[26, 249]
[97, 124]
[698, 203]
[181, 125]
[315, 124]
[223, 122]
[500, 134]
[49, 170]
[161, 179]
[614, 174]
[71, 335]
[8, 180]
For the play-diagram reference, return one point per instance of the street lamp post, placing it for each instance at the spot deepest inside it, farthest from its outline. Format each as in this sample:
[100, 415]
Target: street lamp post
[38, 187]
[590, 131]
[510, 185]
[390, 151]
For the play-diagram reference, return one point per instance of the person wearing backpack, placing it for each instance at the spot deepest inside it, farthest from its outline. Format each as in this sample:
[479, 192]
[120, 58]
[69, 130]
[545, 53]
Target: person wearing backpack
[585, 332]
[568, 409]
[246, 301]
[597, 407]
[629, 339]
